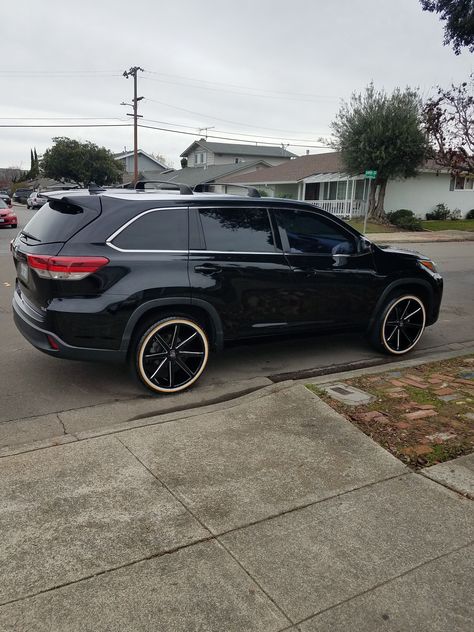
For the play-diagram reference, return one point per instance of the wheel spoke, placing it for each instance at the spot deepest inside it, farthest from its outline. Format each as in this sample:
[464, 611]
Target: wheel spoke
[412, 314]
[394, 330]
[181, 344]
[175, 336]
[170, 373]
[154, 355]
[406, 336]
[159, 367]
[405, 310]
[398, 339]
[162, 342]
[412, 325]
[191, 353]
[183, 366]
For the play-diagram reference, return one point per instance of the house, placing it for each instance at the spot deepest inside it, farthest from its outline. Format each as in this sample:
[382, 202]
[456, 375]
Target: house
[320, 180]
[209, 161]
[193, 176]
[148, 166]
[203, 153]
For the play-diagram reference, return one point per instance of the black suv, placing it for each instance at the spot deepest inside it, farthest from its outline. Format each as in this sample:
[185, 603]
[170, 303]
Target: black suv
[158, 278]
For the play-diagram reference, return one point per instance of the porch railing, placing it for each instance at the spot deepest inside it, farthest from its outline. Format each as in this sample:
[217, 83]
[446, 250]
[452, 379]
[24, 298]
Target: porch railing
[341, 208]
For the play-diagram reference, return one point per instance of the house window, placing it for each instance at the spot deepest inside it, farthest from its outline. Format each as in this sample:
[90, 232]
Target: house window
[462, 183]
[199, 157]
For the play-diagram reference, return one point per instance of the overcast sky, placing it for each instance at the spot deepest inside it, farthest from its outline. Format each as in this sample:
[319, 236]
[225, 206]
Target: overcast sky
[270, 68]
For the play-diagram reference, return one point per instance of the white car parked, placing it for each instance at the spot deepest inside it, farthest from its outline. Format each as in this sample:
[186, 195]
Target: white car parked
[36, 200]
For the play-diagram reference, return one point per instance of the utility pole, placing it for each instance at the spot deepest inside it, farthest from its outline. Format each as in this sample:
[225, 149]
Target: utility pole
[133, 73]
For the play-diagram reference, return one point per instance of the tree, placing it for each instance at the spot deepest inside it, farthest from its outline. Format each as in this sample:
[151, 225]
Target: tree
[449, 120]
[81, 163]
[459, 18]
[381, 132]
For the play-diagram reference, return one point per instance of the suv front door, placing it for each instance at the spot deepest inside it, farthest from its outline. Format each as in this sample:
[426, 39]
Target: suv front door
[333, 281]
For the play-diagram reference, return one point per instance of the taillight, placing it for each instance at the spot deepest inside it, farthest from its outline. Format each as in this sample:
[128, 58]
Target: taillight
[65, 268]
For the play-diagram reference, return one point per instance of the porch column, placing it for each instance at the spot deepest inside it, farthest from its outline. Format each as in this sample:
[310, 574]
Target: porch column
[303, 190]
[347, 191]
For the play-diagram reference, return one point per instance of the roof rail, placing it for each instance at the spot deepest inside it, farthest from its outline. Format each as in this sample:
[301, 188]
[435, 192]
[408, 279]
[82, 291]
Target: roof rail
[183, 188]
[205, 187]
[94, 188]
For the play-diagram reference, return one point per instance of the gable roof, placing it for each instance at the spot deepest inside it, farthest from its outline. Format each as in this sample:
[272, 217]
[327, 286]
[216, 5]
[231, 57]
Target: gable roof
[234, 149]
[198, 175]
[126, 154]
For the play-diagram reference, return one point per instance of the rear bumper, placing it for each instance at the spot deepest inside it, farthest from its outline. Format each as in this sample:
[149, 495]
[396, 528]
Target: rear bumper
[47, 341]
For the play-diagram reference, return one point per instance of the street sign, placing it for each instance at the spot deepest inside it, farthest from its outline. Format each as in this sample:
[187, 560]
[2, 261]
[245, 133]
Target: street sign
[371, 174]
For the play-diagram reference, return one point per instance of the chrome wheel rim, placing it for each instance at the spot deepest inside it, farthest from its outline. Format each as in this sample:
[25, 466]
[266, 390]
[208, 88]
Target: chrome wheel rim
[173, 355]
[403, 324]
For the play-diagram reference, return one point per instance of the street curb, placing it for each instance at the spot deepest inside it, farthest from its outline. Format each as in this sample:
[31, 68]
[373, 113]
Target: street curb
[392, 366]
[144, 422]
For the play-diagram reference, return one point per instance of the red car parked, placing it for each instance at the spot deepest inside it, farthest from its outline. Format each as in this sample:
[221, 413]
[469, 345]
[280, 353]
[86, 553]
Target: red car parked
[7, 216]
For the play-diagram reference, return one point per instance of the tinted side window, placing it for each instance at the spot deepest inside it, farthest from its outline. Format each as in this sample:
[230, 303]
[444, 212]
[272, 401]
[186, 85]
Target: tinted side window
[309, 234]
[237, 229]
[156, 230]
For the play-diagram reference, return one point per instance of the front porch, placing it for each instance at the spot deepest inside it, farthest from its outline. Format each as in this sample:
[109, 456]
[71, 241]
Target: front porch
[338, 193]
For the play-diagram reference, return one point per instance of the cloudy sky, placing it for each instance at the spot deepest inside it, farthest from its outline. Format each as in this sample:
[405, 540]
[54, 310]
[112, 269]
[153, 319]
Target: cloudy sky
[268, 70]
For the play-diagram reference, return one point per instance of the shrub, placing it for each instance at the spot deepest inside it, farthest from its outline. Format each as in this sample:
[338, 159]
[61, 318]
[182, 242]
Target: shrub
[406, 219]
[441, 211]
[395, 216]
[470, 214]
[456, 214]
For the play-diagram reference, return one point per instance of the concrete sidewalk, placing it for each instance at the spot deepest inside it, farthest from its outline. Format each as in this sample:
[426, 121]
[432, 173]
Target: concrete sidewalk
[421, 236]
[274, 513]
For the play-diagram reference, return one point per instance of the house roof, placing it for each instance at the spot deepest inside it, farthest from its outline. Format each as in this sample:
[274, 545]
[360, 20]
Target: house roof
[297, 169]
[126, 154]
[198, 175]
[233, 149]
[306, 166]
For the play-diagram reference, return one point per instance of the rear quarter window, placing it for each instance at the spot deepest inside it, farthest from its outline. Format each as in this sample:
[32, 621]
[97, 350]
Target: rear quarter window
[60, 223]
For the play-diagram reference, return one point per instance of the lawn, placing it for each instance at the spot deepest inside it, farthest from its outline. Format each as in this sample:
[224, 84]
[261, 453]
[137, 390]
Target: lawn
[449, 224]
[373, 228]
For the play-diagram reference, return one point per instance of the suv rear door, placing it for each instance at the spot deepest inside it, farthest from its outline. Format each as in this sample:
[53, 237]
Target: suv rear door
[236, 264]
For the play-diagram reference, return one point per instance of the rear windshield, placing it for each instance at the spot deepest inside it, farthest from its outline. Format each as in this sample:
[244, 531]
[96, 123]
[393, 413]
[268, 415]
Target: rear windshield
[59, 223]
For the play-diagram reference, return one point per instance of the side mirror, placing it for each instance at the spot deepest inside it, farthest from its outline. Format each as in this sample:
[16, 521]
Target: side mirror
[364, 245]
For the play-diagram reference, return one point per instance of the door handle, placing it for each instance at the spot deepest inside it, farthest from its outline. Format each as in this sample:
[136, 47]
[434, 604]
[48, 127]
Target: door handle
[208, 268]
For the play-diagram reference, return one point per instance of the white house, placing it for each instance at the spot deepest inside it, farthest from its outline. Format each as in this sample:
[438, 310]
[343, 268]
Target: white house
[320, 179]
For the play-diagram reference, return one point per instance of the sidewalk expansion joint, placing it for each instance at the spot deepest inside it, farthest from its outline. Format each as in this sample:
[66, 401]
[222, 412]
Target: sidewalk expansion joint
[463, 495]
[312, 504]
[168, 489]
[106, 571]
[386, 581]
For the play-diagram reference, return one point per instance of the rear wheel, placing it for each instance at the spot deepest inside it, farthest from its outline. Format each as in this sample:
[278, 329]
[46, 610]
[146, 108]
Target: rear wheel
[399, 325]
[171, 354]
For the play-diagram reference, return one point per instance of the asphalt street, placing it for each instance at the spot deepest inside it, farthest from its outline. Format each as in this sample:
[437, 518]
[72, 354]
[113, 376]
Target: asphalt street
[34, 384]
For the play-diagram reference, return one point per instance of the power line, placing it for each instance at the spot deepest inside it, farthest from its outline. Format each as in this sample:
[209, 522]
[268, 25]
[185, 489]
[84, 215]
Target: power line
[162, 129]
[233, 85]
[216, 118]
[69, 125]
[245, 94]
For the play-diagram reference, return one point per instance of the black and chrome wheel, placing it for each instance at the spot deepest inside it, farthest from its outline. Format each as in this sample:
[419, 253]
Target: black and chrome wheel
[400, 325]
[171, 354]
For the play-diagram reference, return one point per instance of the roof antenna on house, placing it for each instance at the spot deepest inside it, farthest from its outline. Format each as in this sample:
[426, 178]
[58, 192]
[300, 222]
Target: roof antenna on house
[205, 129]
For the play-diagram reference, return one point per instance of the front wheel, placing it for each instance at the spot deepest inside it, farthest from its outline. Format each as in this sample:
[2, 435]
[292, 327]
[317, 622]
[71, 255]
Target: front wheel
[399, 326]
[171, 355]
